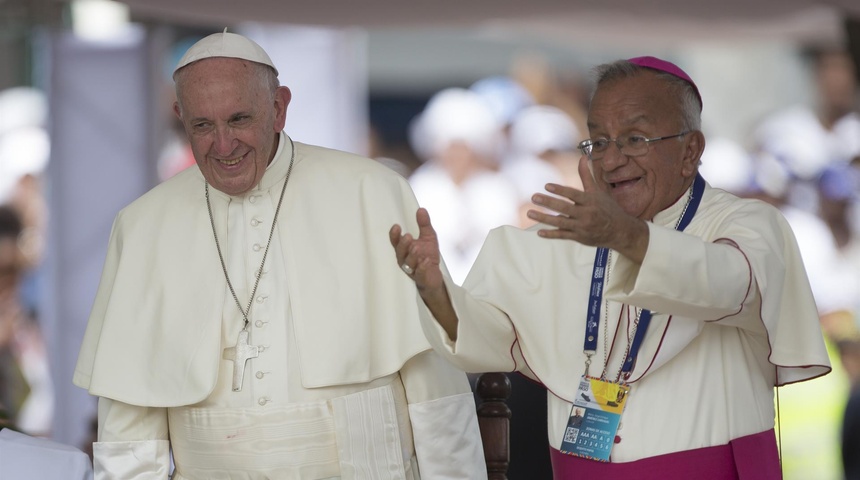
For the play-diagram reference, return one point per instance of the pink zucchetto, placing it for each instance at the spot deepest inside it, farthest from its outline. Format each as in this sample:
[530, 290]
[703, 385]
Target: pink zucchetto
[668, 67]
[229, 45]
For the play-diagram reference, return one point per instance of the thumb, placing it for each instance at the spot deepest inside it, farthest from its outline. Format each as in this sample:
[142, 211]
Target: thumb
[588, 183]
[425, 228]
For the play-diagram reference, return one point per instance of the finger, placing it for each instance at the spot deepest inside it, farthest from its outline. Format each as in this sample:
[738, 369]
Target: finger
[556, 204]
[408, 270]
[400, 243]
[573, 194]
[425, 228]
[588, 183]
[559, 234]
[394, 235]
[558, 221]
[402, 249]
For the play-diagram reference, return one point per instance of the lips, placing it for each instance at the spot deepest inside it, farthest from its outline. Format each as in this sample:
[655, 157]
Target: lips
[229, 162]
[624, 183]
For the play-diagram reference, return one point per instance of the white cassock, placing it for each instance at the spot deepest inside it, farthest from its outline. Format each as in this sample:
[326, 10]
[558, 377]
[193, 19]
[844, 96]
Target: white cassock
[733, 316]
[345, 385]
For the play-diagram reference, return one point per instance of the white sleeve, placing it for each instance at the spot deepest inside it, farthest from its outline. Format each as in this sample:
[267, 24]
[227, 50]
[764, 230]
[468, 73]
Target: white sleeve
[486, 338]
[23, 456]
[444, 423]
[717, 280]
[132, 442]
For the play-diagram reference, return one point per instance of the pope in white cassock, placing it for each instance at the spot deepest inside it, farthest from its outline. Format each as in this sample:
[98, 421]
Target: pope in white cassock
[250, 319]
[658, 312]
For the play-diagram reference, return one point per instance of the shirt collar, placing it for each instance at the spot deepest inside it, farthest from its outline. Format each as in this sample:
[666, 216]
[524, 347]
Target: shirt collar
[670, 215]
[277, 169]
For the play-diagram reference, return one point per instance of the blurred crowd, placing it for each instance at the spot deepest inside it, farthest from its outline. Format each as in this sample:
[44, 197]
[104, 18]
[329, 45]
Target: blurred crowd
[26, 392]
[484, 150]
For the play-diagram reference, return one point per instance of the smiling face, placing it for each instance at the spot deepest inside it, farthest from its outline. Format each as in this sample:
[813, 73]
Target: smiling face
[645, 105]
[232, 116]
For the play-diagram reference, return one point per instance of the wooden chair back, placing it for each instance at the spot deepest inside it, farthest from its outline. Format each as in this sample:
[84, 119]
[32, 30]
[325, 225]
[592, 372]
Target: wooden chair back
[494, 420]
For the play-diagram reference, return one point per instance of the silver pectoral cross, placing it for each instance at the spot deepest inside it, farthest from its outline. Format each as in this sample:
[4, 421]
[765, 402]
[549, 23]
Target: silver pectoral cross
[240, 354]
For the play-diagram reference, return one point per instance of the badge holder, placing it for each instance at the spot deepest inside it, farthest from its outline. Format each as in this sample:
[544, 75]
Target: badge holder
[594, 419]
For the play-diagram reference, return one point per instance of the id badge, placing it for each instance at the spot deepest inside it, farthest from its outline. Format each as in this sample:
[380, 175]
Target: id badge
[594, 419]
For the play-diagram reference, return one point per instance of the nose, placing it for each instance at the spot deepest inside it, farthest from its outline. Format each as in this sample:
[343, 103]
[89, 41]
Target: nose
[613, 158]
[225, 141]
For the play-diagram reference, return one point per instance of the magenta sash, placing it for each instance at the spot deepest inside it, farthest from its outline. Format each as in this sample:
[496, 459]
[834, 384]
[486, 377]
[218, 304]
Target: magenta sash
[754, 457]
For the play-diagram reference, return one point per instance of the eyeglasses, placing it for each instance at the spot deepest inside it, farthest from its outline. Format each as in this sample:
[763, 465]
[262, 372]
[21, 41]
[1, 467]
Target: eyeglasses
[630, 145]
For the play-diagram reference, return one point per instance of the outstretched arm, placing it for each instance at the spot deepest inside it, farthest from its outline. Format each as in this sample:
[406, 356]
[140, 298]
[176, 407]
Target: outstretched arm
[420, 259]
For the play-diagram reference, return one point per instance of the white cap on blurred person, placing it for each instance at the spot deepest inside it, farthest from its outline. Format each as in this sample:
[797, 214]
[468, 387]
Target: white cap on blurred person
[24, 143]
[727, 165]
[771, 176]
[23, 151]
[22, 107]
[451, 115]
[796, 137]
[505, 97]
[542, 128]
[229, 45]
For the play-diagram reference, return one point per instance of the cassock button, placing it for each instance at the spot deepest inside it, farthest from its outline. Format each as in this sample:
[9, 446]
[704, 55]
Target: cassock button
[255, 222]
[259, 323]
[617, 439]
[257, 247]
[252, 199]
[263, 400]
[260, 374]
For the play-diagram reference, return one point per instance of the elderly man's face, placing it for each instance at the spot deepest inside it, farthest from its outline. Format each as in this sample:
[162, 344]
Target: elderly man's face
[643, 105]
[231, 120]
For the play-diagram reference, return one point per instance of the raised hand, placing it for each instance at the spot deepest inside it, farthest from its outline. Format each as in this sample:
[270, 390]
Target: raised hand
[420, 259]
[591, 217]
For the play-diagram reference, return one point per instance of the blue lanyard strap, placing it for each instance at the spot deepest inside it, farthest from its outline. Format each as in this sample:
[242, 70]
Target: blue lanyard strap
[595, 299]
[596, 294]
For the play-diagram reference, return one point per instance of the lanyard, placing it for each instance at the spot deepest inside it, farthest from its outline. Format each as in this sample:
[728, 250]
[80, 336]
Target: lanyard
[595, 298]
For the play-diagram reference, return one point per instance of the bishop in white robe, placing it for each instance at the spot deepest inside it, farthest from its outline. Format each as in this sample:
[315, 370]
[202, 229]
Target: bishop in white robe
[739, 319]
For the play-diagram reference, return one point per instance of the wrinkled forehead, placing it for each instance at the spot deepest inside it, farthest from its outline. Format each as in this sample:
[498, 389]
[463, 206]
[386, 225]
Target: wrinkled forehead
[220, 77]
[632, 101]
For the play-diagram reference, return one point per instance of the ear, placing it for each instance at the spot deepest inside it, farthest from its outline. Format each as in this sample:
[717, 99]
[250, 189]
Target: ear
[693, 153]
[282, 101]
[177, 111]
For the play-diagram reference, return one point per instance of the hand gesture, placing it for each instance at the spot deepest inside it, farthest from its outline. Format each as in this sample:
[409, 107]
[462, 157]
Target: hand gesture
[591, 217]
[419, 257]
